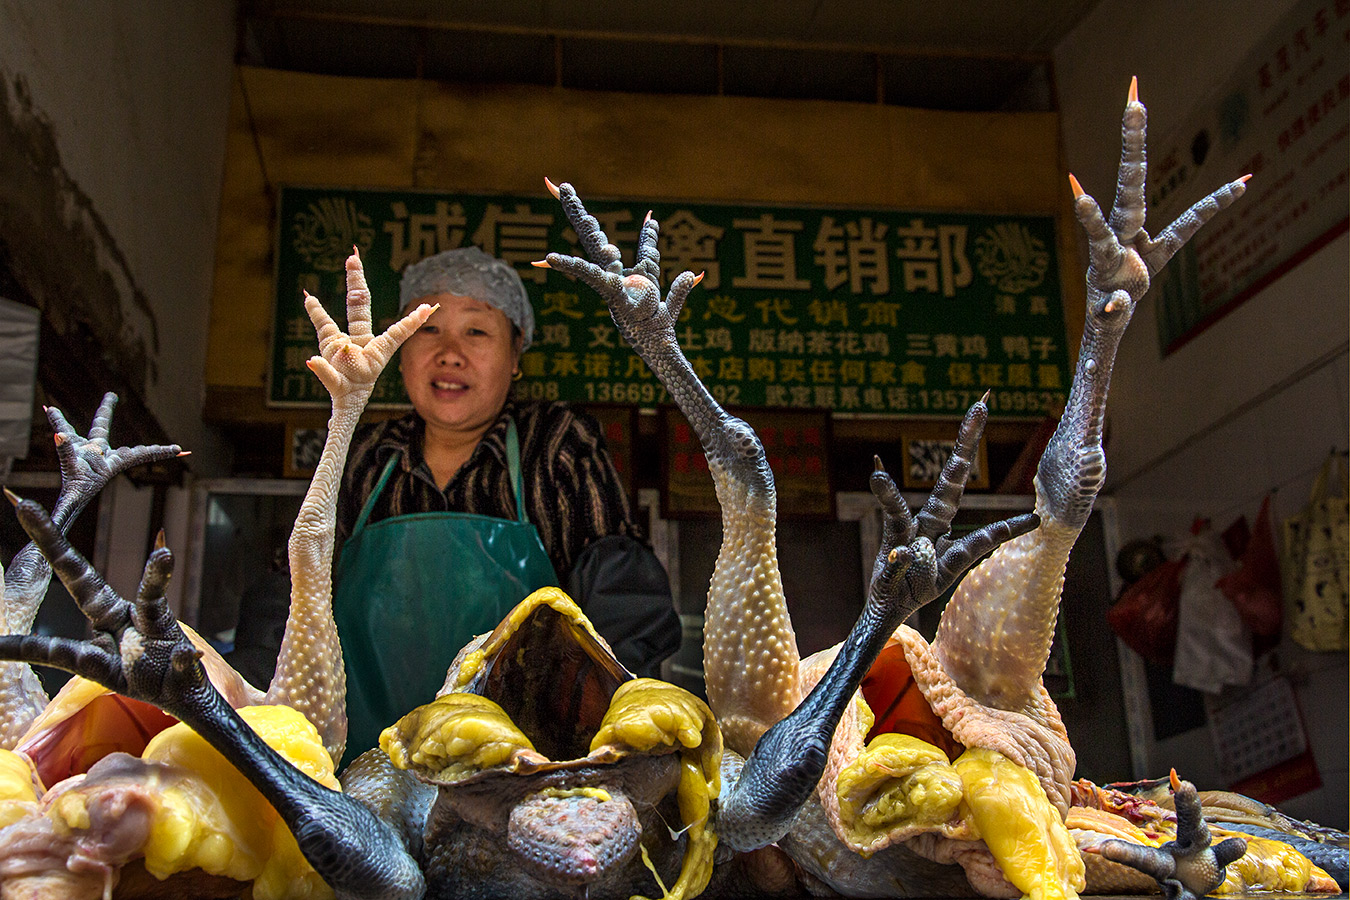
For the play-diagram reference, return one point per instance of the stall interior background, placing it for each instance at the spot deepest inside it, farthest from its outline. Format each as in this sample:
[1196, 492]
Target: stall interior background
[144, 147]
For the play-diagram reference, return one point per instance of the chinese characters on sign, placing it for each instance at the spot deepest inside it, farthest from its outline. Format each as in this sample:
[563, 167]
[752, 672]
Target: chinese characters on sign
[1283, 117]
[796, 444]
[851, 311]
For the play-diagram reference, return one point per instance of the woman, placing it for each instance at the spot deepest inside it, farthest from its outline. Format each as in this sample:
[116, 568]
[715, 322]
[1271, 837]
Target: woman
[450, 515]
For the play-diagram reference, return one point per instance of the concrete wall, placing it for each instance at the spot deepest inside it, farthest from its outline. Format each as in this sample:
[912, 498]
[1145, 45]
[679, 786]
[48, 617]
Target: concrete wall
[1256, 401]
[112, 136]
[119, 109]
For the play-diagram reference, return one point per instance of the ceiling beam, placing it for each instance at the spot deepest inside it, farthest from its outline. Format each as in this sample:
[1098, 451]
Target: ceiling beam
[374, 20]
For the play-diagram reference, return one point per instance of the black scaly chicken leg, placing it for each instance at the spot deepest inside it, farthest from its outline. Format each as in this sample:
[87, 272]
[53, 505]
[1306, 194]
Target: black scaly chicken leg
[139, 651]
[1186, 868]
[88, 464]
[917, 561]
[750, 655]
[1002, 668]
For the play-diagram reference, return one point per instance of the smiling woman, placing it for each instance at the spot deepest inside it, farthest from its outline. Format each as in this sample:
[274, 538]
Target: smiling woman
[458, 369]
[450, 515]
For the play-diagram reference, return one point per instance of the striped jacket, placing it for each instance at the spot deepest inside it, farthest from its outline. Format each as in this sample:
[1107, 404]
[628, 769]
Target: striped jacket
[572, 492]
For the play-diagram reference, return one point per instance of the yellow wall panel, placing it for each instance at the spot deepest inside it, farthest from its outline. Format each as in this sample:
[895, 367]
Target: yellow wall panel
[316, 130]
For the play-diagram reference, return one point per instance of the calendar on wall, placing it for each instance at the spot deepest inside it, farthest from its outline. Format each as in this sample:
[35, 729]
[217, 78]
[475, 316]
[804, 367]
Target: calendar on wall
[1261, 744]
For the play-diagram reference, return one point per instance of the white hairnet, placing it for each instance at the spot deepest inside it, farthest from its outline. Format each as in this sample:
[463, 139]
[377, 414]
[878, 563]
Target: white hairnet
[469, 272]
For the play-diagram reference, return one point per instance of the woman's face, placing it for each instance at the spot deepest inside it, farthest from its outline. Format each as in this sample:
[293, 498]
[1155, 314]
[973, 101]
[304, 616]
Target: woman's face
[458, 366]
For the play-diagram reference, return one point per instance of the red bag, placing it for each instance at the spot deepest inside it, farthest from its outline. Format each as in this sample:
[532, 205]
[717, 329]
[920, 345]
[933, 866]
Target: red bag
[1254, 587]
[1145, 615]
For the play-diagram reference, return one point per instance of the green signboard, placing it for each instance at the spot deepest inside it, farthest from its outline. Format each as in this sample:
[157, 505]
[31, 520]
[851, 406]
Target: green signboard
[856, 311]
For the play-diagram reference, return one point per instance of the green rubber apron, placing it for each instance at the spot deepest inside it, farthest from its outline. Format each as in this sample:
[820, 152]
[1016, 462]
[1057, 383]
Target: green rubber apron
[412, 590]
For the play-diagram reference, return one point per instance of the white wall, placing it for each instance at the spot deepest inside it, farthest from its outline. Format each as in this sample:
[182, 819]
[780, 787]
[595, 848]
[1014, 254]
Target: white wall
[137, 96]
[1242, 409]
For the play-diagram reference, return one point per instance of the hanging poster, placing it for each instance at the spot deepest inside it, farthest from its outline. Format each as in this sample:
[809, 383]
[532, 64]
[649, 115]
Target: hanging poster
[1283, 117]
[796, 445]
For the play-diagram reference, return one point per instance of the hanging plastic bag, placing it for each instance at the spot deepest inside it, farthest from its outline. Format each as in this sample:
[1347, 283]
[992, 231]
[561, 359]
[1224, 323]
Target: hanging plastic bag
[1214, 647]
[1316, 550]
[1236, 537]
[1255, 587]
[1145, 615]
